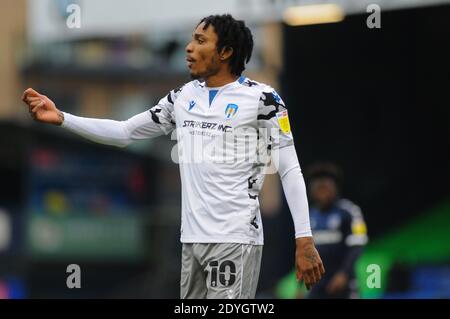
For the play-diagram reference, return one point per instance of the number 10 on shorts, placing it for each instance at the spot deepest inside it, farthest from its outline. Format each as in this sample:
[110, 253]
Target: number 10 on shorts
[219, 272]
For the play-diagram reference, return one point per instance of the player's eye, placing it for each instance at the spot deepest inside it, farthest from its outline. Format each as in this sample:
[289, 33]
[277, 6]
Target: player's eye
[200, 41]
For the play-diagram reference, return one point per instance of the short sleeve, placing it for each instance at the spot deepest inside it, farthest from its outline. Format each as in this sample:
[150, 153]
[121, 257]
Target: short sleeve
[273, 116]
[163, 113]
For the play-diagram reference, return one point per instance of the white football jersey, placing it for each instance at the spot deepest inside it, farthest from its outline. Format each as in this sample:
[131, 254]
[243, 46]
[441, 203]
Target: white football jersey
[222, 168]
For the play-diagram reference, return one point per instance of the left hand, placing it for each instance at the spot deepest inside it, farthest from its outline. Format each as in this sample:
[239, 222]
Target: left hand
[338, 283]
[308, 264]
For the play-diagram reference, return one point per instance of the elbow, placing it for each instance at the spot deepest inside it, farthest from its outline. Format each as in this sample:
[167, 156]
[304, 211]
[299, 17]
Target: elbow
[126, 136]
[291, 170]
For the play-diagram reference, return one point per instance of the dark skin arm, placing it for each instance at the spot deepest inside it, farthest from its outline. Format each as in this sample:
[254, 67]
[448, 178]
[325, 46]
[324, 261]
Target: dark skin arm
[340, 280]
[338, 283]
[309, 266]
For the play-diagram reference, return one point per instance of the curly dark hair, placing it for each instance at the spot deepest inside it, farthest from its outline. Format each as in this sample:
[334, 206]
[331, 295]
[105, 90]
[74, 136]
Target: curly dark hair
[232, 33]
[325, 169]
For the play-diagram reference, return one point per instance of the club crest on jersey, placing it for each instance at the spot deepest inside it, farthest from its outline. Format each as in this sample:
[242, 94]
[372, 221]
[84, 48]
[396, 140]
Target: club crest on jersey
[191, 105]
[230, 110]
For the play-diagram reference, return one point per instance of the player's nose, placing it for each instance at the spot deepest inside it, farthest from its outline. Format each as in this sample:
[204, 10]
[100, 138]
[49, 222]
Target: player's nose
[189, 47]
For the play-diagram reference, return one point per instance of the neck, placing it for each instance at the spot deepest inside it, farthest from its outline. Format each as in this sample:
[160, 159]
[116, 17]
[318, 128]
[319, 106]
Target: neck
[220, 79]
[325, 207]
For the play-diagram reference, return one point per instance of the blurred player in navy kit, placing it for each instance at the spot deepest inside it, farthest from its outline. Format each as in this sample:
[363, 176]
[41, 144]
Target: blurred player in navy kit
[339, 232]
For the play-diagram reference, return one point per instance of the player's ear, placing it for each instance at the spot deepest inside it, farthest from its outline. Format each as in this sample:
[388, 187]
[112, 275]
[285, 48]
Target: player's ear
[226, 53]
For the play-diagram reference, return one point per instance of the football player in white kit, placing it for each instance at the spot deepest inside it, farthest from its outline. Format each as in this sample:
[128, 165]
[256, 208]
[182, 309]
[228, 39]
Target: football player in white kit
[221, 227]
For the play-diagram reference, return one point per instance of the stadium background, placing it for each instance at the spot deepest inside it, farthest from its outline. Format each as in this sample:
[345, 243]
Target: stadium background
[374, 101]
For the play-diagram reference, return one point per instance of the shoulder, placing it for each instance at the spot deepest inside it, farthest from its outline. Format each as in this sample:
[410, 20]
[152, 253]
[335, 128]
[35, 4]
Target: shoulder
[268, 96]
[270, 102]
[197, 84]
[247, 82]
[255, 85]
[173, 95]
[349, 208]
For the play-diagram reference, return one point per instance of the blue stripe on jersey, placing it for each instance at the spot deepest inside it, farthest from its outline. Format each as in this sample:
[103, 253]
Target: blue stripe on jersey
[241, 79]
[212, 95]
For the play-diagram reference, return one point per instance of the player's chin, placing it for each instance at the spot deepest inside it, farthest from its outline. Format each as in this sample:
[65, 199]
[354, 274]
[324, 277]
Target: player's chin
[195, 75]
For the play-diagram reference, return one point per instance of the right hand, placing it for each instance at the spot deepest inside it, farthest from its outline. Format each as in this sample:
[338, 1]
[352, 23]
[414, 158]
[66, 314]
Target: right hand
[42, 108]
[308, 263]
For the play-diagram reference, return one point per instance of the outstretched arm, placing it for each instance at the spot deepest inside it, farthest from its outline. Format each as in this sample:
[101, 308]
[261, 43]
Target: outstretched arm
[308, 263]
[117, 133]
[151, 123]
